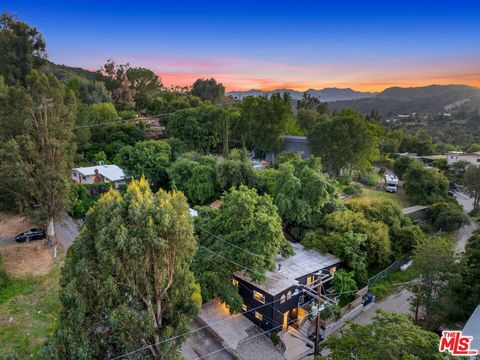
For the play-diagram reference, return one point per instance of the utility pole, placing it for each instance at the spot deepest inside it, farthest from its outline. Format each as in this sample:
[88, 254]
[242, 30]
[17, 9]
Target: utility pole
[417, 305]
[317, 324]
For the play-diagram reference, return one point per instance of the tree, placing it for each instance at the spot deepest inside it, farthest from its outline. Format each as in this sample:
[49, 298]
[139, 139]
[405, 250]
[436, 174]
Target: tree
[199, 128]
[471, 180]
[309, 102]
[208, 89]
[391, 336]
[263, 121]
[448, 216]
[437, 266]
[22, 49]
[37, 156]
[359, 143]
[424, 185]
[233, 173]
[308, 118]
[247, 231]
[473, 148]
[146, 85]
[197, 179]
[89, 92]
[344, 283]
[126, 282]
[149, 158]
[402, 164]
[116, 80]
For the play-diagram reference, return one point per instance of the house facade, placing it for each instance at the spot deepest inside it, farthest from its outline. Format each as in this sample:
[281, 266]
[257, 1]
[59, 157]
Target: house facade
[294, 144]
[283, 299]
[456, 156]
[97, 174]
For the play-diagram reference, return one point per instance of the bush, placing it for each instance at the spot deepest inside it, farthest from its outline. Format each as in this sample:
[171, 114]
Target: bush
[4, 277]
[382, 171]
[275, 339]
[344, 179]
[447, 216]
[353, 190]
[368, 179]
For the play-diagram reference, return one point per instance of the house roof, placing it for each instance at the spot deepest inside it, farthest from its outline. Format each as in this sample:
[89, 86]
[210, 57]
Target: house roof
[110, 172]
[412, 209]
[288, 270]
[216, 204]
[472, 328]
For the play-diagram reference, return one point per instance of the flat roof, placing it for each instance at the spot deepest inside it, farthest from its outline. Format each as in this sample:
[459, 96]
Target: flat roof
[111, 172]
[433, 157]
[288, 270]
[412, 209]
[472, 328]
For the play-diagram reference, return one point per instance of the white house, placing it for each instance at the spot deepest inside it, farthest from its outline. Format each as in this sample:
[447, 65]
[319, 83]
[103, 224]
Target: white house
[99, 173]
[456, 156]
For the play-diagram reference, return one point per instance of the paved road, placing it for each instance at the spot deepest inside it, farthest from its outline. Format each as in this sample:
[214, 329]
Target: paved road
[66, 229]
[466, 231]
[201, 343]
[398, 302]
[7, 241]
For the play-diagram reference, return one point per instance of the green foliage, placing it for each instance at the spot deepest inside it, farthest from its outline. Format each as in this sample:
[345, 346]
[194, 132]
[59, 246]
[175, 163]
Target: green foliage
[126, 280]
[473, 148]
[390, 337]
[233, 173]
[263, 121]
[402, 164]
[301, 193]
[246, 221]
[4, 277]
[438, 268]
[265, 180]
[391, 283]
[149, 158]
[199, 128]
[359, 145]
[208, 89]
[448, 216]
[344, 282]
[197, 179]
[36, 144]
[424, 185]
[420, 144]
[471, 181]
[353, 190]
[22, 49]
[89, 92]
[368, 178]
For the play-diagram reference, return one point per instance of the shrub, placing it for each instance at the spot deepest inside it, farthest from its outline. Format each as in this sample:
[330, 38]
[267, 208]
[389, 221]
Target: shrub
[4, 277]
[368, 179]
[447, 216]
[353, 190]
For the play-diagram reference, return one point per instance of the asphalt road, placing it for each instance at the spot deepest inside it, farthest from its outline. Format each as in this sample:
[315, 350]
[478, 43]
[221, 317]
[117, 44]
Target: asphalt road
[7, 241]
[466, 231]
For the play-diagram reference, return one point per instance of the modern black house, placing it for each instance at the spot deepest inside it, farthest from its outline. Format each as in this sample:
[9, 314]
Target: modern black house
[294, 144]
[285, 293]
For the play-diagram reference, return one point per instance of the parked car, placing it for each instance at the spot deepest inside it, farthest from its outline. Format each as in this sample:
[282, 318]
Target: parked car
[32, 234]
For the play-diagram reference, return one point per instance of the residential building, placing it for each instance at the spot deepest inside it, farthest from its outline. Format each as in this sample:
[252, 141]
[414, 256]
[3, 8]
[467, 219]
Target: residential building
[418, 214]
[99, 173]
[288, 289]
[295, 144]
[456, 156]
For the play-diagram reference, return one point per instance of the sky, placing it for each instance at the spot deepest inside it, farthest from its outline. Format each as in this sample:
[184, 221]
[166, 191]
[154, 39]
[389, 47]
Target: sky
[364, 45]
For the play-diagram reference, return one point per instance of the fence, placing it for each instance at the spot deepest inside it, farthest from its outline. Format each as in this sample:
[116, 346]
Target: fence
[384, 273]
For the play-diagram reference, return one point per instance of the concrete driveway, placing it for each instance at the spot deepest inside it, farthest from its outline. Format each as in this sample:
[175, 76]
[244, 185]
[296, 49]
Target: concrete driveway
[66, 229]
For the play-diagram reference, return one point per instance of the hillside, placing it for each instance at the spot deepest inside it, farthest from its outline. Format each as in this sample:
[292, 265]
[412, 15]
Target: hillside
[397, 100]
[64, 72]
[327, 94]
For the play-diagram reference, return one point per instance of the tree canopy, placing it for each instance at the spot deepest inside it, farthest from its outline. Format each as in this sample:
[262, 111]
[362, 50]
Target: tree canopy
[424, 185]
[126, 282]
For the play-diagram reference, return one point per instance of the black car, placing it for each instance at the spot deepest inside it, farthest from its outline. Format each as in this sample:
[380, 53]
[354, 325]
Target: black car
[32, 234]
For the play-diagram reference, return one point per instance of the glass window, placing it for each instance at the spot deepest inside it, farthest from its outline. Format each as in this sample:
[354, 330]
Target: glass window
[259, 297]
[234, 282]
[282, 299]
[258, 315]
[244, 307]
[309, 279]
[289, 295]
[333, 269]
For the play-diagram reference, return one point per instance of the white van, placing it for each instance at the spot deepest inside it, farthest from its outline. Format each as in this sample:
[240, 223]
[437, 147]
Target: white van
[391, 182]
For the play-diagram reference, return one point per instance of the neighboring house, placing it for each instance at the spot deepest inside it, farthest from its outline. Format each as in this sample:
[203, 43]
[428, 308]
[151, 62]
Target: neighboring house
[99, 173]
[429, 159]
[290, 287]
[295, 144]
[472, 328]
[456, 156]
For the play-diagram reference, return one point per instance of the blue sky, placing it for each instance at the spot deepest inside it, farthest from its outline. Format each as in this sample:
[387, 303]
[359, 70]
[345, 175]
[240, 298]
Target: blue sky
[247, 44]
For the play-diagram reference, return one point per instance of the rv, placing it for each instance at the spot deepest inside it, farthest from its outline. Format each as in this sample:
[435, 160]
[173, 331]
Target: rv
[391, 183]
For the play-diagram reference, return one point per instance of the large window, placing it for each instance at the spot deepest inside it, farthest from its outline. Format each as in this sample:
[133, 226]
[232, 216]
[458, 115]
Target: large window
[234, 282]
[258, 315]
[289, 295]
[282, 299]
[309, 280]
[244, 307]
[259, 297]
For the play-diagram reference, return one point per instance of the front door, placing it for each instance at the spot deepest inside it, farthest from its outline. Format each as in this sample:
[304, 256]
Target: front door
[285, 321]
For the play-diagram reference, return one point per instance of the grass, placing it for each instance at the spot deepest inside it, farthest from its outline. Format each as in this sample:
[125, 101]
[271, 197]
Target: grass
[33, 303]
[386, 286]
[369, 195]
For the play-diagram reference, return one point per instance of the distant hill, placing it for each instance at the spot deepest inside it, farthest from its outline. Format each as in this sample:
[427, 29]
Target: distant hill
[397, 100]
[65, 73]
[327, 94]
